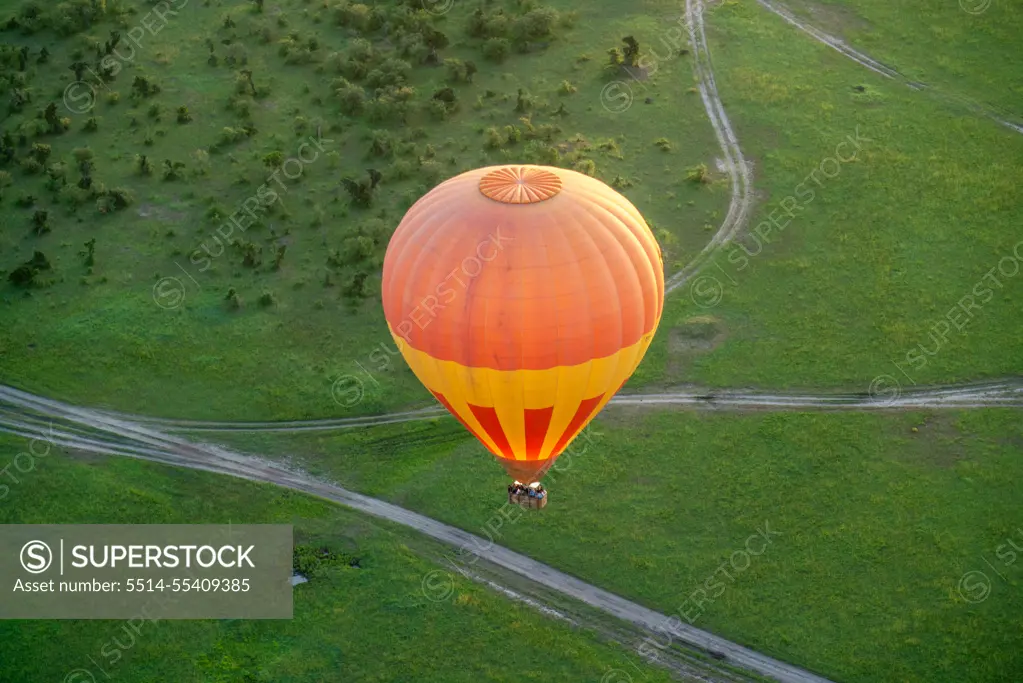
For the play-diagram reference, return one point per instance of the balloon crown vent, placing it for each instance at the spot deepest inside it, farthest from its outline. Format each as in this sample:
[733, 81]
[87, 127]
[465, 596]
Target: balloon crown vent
[520, 184]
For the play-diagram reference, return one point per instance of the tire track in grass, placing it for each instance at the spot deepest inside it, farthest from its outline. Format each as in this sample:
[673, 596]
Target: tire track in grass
[144, 441]
[1007, 393]
[738, 169]
[172, 450]
[778, 9]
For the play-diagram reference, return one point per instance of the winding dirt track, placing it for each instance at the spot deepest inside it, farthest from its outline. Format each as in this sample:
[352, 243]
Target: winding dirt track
[89, 430]
[32, 416]
[1007, 393]
[862, 59]
[738, 169]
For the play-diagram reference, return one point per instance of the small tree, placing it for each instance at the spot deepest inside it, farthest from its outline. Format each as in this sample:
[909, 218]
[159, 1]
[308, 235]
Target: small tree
[279, 256]
[447, 96]
[83, 156]
[247, 74]
[90, 253]
[116, 199]
[522, 102]
[79, 69]
[698, 174]
[630, 53]
[353, 99]
[361, 191]
[234, 302]
[115, 38]
[41, 222]
[7, 150]
[183, 115]
[456, 69]
[273, 160]
[51, 118]
[142, 87]
[41, 152]
[172, 170]
[496, 49]
[25, 274]
[19, 98]
[267, 299]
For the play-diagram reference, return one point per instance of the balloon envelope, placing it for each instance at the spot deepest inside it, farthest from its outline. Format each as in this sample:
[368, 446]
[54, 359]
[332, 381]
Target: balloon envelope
[523, 298]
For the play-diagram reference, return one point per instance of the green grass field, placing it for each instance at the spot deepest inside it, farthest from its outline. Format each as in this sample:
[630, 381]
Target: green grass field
[859, 276]
[373, 623]
[903, 233]
[886, 270]
[876, 524]
[974, 36]
[120, 333]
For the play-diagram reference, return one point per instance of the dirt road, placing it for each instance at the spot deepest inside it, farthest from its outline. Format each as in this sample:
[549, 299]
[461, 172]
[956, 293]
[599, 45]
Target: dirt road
[98, 431]
[83, 429]
[864, 60]
[1007, 393]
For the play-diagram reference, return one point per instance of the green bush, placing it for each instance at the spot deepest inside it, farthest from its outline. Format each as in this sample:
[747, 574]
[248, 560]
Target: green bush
[352, 15]
[381, 143]
[413, 49]
[494, 139]
[541, 153]
[698, 174]
[25, 274]
[456, 70]
[118, 198]
[401, 169]
[438, 110]
[391, 72]
[41, 152]
[587, 166]
[31, 166]
[431, 172]
[496, 49]
[352, 99]
[533, 26]
[267, 299]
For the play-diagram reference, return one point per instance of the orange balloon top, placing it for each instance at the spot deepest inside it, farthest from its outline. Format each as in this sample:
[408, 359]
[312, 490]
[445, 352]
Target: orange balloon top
[522, 267]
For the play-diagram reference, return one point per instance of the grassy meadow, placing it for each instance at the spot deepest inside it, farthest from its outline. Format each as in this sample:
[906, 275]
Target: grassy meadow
[383, 621]
[164, 319]
[873, 519]
[974, 36]
[168, 321]
[877, 252]
[137, 304]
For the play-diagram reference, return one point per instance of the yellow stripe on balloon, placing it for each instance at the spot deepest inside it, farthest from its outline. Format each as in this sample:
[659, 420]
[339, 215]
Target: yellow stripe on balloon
[510, 392]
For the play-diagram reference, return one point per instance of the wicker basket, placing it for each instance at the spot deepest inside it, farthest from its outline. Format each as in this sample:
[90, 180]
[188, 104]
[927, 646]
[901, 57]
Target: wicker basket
[527, 502]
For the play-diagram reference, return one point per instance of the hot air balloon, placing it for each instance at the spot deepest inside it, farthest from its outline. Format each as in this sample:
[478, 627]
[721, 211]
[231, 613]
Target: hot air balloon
[523, 297]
